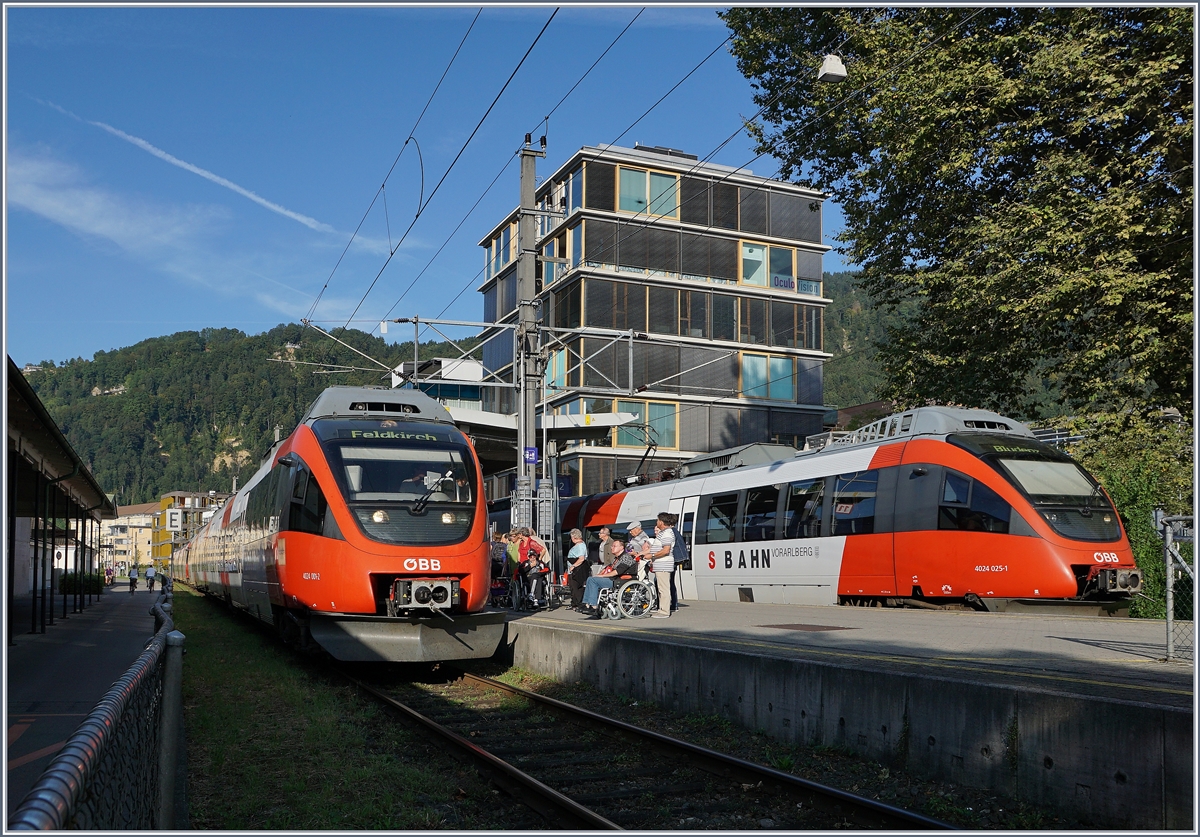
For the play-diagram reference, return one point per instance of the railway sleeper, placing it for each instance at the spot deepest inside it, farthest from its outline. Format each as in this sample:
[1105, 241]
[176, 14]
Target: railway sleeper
[626, 793]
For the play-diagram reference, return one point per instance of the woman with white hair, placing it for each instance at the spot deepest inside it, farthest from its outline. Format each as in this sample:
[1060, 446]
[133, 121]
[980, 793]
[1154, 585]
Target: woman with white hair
[579, 568]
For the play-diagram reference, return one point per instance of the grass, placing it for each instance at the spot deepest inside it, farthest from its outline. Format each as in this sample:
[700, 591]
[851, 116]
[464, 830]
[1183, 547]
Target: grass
[274, 744]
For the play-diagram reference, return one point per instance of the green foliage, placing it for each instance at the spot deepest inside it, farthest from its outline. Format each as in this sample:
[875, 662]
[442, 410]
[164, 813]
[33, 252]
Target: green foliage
[92, 583]
[1144, 464]
[189, 411]
[1021, 177]
[854, 329]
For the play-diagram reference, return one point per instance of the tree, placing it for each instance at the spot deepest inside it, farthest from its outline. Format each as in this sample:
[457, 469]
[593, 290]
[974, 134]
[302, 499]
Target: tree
[1019, 181]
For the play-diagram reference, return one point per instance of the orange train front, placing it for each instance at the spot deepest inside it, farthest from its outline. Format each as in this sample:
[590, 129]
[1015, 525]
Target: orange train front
[936, 506]
[364, 531]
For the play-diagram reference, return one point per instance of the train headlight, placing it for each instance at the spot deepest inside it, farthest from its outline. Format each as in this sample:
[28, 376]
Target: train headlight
[1134, 581]
[380, 516]
[447, 517]
[423, 595]
[440, 594]
[1123, 580]
[1108, 518]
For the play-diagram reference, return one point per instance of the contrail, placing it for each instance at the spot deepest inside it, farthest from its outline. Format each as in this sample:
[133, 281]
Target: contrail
[311, 223]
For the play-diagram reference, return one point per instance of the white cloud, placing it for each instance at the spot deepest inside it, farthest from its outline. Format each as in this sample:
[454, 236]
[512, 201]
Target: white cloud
[57, 192]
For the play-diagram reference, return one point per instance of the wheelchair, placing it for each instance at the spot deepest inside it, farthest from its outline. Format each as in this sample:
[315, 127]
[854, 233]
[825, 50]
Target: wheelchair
[633, 598]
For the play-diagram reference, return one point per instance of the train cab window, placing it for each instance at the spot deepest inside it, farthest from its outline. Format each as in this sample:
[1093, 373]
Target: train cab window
[970, 506]
[854, 503]
[309, 507]
[762, 506]
[802, 519]
[689, 518]
[720, 523]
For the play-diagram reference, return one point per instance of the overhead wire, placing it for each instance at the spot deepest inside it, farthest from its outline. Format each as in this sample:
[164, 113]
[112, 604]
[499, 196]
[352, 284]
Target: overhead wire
[451, 167]
[312, 310]
[508, 162]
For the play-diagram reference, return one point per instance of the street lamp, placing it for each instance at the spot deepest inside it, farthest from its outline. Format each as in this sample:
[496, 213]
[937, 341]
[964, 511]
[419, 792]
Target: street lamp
[832, 69]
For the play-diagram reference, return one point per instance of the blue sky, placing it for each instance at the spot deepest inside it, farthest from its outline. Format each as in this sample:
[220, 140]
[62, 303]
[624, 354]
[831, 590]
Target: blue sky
[173, 169]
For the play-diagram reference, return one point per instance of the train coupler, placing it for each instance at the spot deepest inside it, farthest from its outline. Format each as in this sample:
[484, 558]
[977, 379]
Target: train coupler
[434, 594]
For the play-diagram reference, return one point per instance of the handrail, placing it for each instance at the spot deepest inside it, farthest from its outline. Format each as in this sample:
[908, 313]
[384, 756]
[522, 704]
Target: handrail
[53, 801]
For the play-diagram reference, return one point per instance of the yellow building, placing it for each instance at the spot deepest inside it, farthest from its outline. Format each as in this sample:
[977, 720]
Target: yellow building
[196, 508]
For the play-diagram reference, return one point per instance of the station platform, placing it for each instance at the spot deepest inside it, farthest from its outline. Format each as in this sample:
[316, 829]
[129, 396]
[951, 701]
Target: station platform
[1075, 712]
[55, 679]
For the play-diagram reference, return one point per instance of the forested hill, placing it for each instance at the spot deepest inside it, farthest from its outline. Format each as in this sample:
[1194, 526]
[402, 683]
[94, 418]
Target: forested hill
[853, 329]
[191, 410]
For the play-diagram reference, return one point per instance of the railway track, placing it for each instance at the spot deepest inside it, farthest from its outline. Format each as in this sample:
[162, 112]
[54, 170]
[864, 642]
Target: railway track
[580, 770]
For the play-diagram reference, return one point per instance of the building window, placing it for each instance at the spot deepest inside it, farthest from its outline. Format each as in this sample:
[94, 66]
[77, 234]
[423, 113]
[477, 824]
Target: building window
[782, 275]
[724, 317]
[663, 310]
[753, 321]
[633, 190]
[693, 314]
[768, 376]
[661, 418]
[575, 190]
[654, 193]
[754, 264]
[576, 245]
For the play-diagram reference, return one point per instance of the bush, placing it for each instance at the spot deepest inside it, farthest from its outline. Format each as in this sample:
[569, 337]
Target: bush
[1145, 463]
[92, 583]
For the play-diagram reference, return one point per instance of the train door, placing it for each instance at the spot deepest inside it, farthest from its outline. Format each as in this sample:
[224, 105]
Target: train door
[685, 509]
[918, 487]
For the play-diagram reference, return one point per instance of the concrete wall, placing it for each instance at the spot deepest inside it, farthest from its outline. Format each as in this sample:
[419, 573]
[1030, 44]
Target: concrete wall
[1111, 764]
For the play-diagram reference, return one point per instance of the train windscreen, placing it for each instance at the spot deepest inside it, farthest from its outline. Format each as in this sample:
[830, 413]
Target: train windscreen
[403, 490]
[1064, 494]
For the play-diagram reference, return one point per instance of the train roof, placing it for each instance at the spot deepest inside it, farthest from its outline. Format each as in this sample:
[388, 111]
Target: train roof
[376, 402]
[922, 421]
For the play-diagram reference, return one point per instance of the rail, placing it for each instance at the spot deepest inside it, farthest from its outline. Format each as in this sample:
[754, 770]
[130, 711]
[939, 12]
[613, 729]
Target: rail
[568, 811]
[117, 770]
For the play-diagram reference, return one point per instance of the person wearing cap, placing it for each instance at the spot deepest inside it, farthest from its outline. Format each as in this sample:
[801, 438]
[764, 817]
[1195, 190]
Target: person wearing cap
[637, 538]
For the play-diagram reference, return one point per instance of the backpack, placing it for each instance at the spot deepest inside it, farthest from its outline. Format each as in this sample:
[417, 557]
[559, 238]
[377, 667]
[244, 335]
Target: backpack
[679, 551]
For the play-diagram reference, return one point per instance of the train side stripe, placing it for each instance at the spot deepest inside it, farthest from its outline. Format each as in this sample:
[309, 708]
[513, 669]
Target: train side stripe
[888, 455]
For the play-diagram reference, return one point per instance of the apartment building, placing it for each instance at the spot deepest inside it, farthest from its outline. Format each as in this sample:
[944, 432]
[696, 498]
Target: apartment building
[129, 538]
[196, 508]
[686, 293]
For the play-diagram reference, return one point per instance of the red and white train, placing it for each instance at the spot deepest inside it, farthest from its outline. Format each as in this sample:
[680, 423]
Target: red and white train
[365, 531]
[932, 506]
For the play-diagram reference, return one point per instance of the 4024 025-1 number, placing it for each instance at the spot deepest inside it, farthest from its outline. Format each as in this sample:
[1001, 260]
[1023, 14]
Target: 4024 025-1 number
[991, 568]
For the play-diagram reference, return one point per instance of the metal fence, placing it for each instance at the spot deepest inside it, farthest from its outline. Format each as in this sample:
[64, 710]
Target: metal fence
[117, 770]
[1180, 587]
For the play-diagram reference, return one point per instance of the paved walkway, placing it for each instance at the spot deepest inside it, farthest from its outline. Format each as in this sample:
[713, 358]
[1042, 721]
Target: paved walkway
[1113, 658]
[56, 678]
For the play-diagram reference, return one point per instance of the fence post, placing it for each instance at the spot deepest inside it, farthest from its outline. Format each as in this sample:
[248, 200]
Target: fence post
[169, 731]
[1168, 535]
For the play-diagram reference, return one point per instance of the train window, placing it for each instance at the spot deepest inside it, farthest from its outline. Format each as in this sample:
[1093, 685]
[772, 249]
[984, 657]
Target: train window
[957, 490]
[969, 505]
[802, 519]
[298, 486]
[308, 513]
[761, 508]
[720, 522]
[854, 503]
[686, 531]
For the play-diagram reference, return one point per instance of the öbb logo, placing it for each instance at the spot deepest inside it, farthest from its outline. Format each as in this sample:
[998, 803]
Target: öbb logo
[1106, 557]
[412, 564]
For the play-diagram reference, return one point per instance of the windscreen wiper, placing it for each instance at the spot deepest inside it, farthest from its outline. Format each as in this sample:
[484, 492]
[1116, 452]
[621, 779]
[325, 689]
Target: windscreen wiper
[420, 505]
[1086, 511]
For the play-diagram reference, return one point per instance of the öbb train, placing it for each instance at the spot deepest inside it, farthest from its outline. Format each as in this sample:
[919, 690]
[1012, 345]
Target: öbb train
[935, 506]
[364, 531]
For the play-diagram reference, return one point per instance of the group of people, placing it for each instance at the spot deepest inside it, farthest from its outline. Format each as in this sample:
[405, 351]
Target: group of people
[619, 560]
[523, 556]
[522, 552]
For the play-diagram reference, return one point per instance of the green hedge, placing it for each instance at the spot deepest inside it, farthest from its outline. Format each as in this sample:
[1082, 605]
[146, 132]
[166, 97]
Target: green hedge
[92, 583]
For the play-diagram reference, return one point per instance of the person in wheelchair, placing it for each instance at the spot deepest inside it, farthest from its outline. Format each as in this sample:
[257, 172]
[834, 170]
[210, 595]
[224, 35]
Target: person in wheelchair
[534, 568]
[623, 567]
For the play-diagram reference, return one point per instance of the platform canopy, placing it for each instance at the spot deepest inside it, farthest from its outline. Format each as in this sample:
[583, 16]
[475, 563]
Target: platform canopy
[495, 434]
[39, 446]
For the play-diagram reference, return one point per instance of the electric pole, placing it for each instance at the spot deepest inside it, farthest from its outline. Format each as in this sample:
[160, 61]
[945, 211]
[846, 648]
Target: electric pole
[527, 332]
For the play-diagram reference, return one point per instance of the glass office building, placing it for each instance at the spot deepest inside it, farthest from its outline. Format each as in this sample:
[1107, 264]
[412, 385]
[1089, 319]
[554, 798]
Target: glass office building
[716, 272]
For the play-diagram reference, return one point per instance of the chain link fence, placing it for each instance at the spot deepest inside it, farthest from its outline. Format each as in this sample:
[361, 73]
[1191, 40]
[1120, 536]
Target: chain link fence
[116, 771]
[1178, 536]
